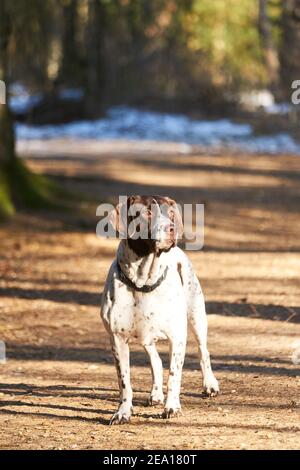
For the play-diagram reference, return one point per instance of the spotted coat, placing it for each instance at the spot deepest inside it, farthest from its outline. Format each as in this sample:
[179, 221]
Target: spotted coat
[162, 314]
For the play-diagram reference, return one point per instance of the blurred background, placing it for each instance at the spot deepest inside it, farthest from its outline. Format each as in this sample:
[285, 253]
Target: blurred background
[188, 55]
[190, 99]
[216, 74]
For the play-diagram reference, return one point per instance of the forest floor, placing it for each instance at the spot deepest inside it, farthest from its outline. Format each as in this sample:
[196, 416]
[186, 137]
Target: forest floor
[58, 387]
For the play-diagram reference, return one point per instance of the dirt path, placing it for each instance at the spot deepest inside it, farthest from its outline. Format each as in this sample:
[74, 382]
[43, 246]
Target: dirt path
[58, 387]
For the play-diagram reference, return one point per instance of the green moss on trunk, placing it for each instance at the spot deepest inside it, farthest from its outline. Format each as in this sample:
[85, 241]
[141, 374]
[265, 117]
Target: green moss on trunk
[6, 205]
[22, 188]
[32, 190]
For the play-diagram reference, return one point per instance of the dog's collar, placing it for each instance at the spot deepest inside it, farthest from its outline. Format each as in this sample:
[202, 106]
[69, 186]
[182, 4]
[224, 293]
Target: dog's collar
[144, 288]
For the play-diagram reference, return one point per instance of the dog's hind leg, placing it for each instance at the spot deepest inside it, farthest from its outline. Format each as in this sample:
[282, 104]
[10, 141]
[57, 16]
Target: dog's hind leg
[120, 351]
[156, 395]
[177, 352]
[198, 322]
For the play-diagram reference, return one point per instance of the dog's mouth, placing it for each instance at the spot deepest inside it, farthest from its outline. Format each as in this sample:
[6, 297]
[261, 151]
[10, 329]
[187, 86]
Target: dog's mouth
[165, 248]
[143, 247]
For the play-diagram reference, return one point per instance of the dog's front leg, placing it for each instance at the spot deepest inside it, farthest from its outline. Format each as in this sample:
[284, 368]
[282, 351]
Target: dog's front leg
[177, 352]
[156, 395]
[120, 351]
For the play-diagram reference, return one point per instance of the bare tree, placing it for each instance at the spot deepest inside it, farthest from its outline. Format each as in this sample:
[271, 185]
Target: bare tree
[268, 46]
[95, 73]
[18, 185]
[290, 50]
[70, 67]
[7, 148]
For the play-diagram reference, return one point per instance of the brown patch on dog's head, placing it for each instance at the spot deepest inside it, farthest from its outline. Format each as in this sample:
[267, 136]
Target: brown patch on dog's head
[149, 223]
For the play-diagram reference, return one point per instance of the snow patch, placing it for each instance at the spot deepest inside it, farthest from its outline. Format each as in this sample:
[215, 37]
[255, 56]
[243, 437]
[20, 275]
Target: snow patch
[21, 101]
[265, 100]
[125, 123]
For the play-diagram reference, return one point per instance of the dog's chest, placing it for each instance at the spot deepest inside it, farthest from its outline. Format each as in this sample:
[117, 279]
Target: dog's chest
[149, 316]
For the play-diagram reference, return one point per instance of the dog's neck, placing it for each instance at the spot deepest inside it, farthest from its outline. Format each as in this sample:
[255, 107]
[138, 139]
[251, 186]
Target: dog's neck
[145, 270]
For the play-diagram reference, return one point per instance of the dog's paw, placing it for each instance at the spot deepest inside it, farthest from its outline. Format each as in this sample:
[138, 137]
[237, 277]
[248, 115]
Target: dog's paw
[211, 387]
[172, 412]
[156, 398]
[122, 416]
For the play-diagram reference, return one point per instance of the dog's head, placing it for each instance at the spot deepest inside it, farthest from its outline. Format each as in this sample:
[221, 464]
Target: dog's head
[149, 223]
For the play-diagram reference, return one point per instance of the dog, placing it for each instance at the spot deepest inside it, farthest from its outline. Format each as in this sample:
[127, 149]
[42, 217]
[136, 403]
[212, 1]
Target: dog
[151, 294]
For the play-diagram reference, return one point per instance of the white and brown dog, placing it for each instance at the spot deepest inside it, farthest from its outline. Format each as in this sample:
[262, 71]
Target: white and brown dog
[151, 293]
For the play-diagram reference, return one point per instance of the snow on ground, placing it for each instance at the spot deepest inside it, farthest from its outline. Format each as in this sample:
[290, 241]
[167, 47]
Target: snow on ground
[263, 100]
[125, 123]
[142, 126]
[21, 100]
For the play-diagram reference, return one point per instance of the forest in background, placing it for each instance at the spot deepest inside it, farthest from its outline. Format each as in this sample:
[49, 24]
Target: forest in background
[190, 52]
[187, 55]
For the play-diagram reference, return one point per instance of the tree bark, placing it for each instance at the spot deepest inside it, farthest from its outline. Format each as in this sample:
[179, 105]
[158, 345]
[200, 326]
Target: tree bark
[269, 49]
[70, 65]
[290, 50]
[95, 79]
[7, 138]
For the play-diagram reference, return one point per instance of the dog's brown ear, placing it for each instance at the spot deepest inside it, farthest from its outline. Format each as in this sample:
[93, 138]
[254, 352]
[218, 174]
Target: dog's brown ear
[176, 217]
[118, 219]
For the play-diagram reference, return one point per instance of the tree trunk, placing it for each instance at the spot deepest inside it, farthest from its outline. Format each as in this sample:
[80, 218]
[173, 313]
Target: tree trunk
[269, 49]
[7, 138]
[17, 184]
[70, 65]
[290, 50]
[95, 79]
